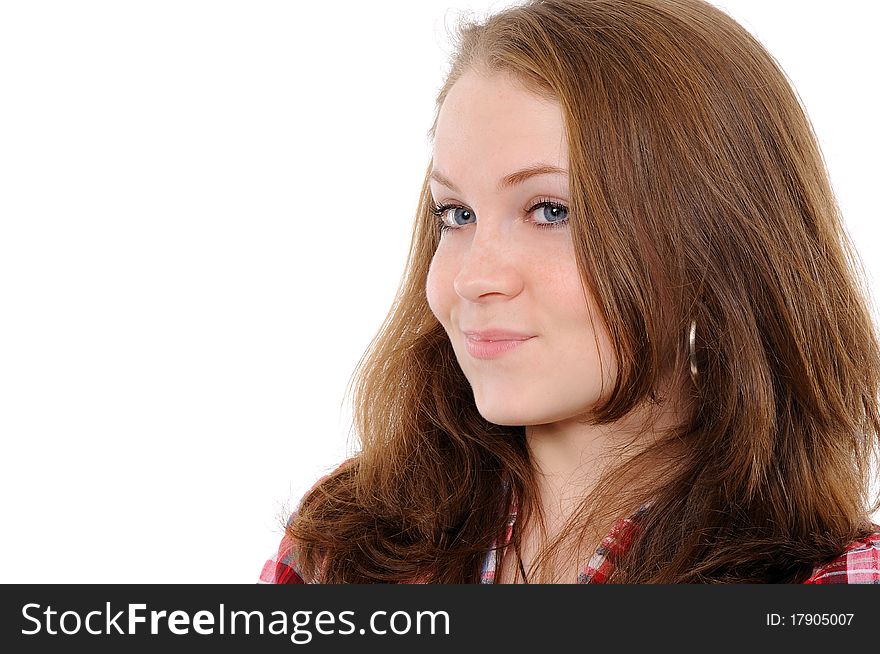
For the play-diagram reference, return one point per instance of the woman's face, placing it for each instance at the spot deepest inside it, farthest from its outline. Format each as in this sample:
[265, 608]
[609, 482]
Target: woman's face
[503, 265]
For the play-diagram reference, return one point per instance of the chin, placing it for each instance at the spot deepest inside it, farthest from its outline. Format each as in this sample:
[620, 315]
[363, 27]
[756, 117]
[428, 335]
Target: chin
[508, 416]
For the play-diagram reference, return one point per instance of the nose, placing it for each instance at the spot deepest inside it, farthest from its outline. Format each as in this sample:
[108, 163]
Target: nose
[490, 267]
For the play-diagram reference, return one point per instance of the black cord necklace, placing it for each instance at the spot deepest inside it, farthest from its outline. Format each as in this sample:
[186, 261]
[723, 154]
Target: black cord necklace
[522, 568]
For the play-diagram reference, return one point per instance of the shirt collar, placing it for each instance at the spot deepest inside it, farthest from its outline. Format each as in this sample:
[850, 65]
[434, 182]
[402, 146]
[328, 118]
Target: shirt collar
[600, 565]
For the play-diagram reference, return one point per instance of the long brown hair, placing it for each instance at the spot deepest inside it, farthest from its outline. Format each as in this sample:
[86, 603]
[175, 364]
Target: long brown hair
[698, 192]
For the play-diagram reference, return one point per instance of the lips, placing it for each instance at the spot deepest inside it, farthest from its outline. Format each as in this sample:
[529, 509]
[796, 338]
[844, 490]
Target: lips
[491, 344]
[492, 335]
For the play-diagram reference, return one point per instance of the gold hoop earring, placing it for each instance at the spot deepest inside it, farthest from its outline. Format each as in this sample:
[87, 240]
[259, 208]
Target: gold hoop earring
[692, 340]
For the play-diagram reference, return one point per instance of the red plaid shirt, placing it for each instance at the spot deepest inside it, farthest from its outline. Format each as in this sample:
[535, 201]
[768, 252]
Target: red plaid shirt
[859, 564]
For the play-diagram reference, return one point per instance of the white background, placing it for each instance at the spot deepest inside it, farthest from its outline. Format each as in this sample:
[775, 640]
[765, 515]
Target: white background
[205, 209]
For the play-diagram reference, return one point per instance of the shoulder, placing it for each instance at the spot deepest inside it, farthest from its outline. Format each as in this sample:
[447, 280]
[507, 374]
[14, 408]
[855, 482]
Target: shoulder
[859, 563]
[283, 566]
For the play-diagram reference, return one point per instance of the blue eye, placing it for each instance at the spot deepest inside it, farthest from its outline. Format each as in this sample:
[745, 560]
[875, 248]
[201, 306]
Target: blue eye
[457, 213]
[555, 215]
[553, 212]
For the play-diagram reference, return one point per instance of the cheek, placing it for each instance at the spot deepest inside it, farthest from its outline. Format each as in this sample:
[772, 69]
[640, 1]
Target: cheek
[575, 311]
[563, 290]
[590, 337]
[438, 288]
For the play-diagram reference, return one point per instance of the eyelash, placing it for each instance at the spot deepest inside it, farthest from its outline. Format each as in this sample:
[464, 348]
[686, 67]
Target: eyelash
[440, 210]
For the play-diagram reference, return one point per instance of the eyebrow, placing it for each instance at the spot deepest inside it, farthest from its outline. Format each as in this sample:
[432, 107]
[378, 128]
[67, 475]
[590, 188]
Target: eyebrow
[513, 179]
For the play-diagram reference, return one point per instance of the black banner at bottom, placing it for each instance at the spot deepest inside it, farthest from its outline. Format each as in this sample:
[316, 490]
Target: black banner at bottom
[257, 618]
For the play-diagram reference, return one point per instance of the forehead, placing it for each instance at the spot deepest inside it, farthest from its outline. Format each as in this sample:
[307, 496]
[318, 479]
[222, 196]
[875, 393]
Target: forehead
[491, 122]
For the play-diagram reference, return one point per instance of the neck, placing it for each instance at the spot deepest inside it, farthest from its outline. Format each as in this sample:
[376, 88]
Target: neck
[569, 458]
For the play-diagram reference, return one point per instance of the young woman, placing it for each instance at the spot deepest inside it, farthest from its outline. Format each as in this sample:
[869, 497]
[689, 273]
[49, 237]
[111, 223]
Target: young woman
[631, 344]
